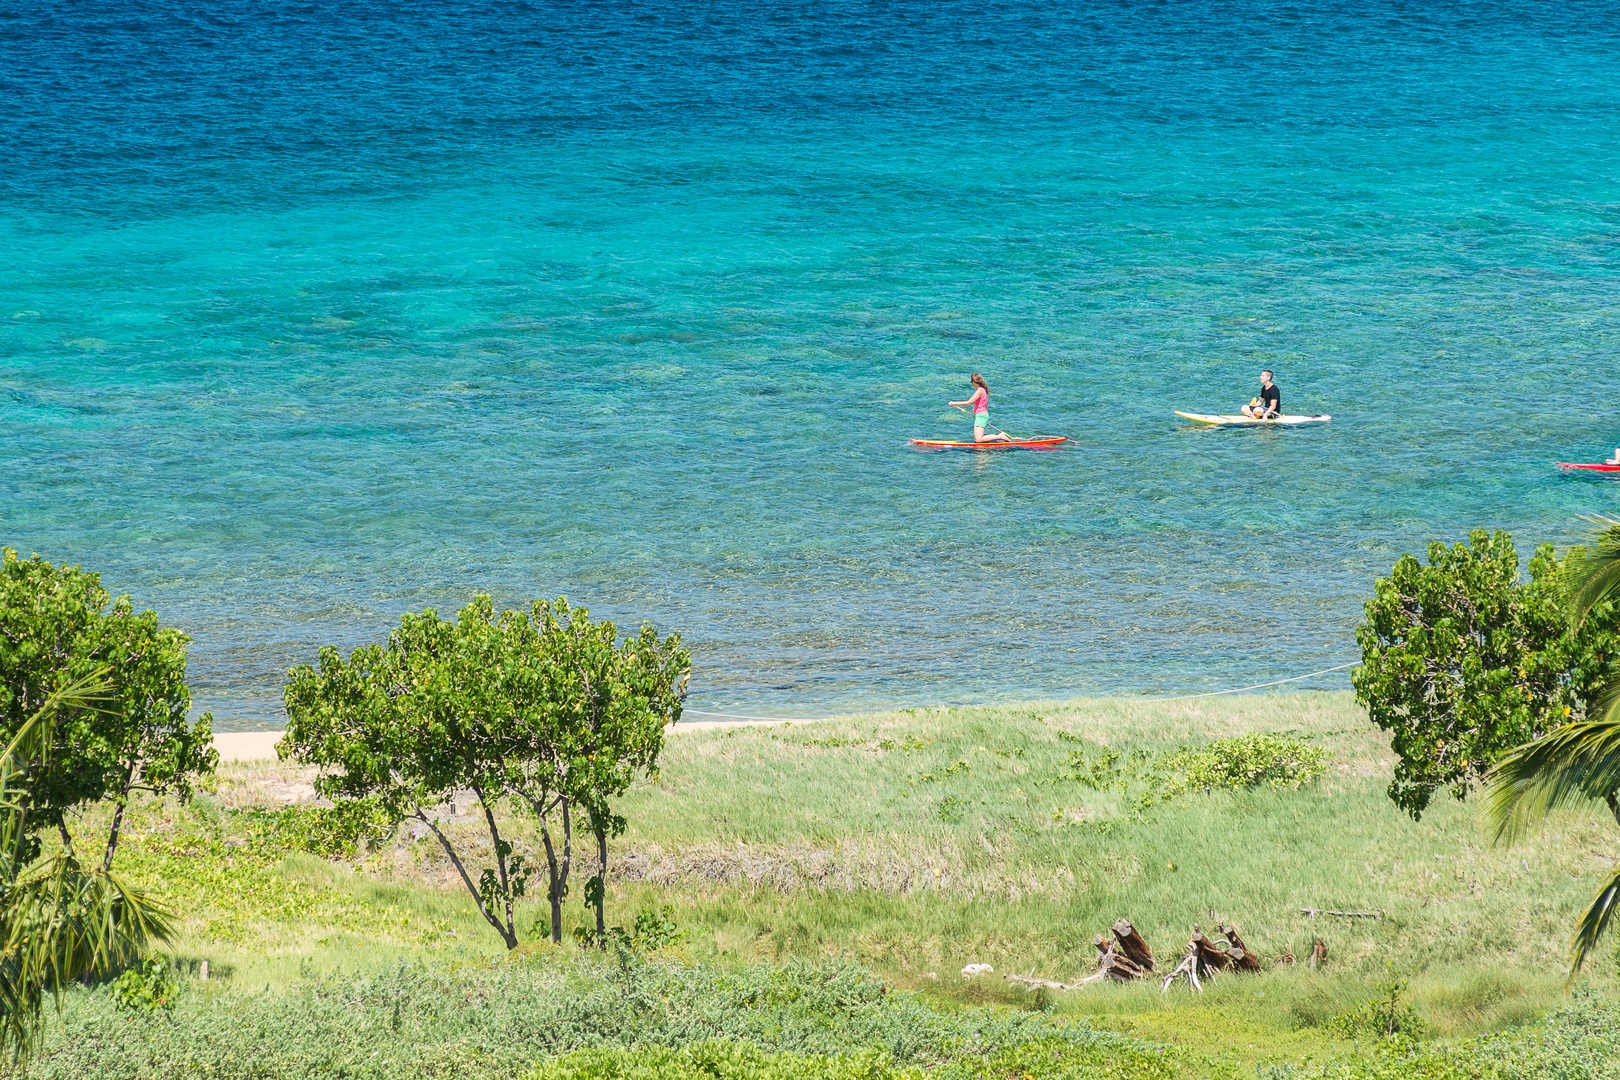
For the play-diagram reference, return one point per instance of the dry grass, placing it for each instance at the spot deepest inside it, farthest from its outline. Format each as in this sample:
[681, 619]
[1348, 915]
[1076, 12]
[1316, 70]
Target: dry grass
[919, 841]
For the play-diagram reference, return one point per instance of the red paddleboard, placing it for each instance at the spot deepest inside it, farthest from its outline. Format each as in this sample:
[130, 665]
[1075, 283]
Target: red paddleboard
[1587, 468]
[1027, 444]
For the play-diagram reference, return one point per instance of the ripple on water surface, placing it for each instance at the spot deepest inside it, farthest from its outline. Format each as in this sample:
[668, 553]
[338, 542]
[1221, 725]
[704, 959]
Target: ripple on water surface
[313, 318]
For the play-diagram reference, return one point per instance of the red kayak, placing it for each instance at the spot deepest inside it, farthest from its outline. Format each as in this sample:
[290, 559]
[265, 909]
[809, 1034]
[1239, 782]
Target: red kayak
[1587, 468]
[1027, 444]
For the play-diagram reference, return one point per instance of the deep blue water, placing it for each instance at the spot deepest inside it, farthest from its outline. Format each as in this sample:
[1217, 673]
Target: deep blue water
[312, 314]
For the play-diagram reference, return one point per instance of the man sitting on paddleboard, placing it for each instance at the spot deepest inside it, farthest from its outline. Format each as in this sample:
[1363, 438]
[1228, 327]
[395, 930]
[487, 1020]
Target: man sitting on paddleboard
[1269, 405]
[980, 404]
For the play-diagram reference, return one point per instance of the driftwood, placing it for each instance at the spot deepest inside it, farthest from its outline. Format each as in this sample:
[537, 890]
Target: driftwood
[1132, 945]
[1212, 957]
[1123, 957]
[1188, 968]
[1311, 913]
[1033, 983]
[1113, 964]
[1242, 958]
[1207, 957]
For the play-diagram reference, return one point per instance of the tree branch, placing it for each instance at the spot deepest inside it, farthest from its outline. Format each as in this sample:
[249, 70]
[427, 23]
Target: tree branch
[506, 936]
[130, 776]
[500, 857]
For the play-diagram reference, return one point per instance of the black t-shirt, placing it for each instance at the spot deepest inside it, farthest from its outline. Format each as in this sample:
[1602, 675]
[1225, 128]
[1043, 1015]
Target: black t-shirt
[1270, 398]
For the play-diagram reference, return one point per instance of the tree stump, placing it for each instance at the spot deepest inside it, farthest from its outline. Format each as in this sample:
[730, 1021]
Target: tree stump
[1212, 959]
[1133, 945]
[1242, 958]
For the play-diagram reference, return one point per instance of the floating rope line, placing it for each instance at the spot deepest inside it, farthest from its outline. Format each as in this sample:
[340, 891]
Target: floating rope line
[1183, 697]
[1258, 686]
[770, 719]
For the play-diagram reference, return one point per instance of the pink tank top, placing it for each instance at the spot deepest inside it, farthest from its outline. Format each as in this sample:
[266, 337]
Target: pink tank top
[983, 404]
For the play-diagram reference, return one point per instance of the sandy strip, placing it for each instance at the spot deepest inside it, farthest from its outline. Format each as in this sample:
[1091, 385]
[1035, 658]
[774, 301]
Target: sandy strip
[261, 745]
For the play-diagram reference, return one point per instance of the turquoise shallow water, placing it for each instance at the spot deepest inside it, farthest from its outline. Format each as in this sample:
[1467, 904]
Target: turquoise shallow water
[309, 317]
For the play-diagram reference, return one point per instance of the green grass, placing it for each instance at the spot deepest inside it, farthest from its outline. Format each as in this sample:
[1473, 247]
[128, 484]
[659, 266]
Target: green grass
[913, 843]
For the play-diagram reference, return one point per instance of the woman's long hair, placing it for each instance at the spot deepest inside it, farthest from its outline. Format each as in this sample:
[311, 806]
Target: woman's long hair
[978, 380]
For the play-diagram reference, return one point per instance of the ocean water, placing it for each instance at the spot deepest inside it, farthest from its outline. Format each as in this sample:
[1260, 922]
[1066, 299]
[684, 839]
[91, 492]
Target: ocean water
[313, 314]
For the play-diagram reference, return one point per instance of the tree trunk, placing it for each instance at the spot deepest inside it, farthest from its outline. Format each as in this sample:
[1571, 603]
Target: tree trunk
[506, 933]
[601, 892]
[1211, 957]
[112, 833]
[557, 868]
[118, 816]
[500, 864]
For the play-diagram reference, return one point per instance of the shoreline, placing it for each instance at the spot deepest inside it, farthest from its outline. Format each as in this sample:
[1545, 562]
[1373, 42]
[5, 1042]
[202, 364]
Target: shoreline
[240, 746]
[236, 746]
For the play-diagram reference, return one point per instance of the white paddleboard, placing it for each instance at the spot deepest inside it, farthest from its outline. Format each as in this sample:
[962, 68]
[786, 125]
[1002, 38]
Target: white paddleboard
[1254, 421]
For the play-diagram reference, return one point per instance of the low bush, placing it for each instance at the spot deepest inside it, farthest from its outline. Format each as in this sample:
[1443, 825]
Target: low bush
[147, 987]
[504, 1019]
[584, 1018]
[1385, 1015]
[1248, 761]
[1578, 1041]
[717, 1060]
[336, 831]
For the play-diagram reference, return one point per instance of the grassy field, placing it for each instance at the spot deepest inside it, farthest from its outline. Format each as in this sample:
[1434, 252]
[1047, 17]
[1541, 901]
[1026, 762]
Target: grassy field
[911, 844]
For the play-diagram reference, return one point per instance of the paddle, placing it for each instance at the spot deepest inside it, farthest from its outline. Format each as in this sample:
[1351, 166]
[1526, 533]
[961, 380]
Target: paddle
[998, 431]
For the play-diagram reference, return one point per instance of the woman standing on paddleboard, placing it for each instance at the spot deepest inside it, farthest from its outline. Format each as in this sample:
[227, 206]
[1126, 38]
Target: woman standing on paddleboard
[980, 404]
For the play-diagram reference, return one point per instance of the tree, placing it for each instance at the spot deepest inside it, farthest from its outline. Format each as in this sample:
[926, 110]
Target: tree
[56, 625]
[1579, 760]
[1462, 661]
[412, 723]
[609, 703]
[542, 707]
[60, 923]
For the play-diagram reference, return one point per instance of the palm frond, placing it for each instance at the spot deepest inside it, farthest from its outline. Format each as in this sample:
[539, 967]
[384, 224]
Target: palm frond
[1597, 573]
[63, 924]
[90, 693]
[1574, 761]
[59, 922]
[1594, 922]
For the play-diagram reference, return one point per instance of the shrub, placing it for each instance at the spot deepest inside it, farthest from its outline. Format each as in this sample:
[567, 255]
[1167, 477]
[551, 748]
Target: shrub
[505, 1019]
[1384, 1016]
[717, 1059]
[147, 987]
[336, 831]
[653, 931]
[1462, 660]
[1248, 761]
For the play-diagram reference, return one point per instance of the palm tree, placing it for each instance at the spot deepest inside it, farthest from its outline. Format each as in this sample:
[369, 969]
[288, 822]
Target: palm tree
[1578, 760]
[60, 922]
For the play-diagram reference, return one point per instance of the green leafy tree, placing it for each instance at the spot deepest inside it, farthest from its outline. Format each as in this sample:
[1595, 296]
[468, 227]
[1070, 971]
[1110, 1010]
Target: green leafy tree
[1578, 760]
[541, 707]
[60, 922]
[411, 723]
[56, 625]
[608, 703]
[1462, 661]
